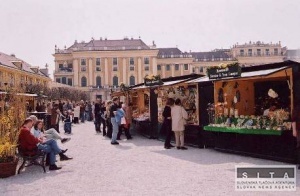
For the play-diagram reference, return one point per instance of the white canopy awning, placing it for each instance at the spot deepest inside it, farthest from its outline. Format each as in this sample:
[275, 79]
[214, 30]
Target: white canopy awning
[24, 94]
[243, 75]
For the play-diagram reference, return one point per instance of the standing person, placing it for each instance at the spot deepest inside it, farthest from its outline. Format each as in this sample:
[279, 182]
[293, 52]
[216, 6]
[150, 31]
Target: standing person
[86, 111]
[114, 122]
[82, 108]
[68, 122]
[97, 116]
[179, 116]
[76, 113]
[90, 115]
[296, 131]
[60, 106]
[55, 114]
[167, 123]
[103, 117]
[108, 121]
[126, 125]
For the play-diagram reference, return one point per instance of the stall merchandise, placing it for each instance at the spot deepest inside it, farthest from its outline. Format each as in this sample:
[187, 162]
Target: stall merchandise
[251, 111]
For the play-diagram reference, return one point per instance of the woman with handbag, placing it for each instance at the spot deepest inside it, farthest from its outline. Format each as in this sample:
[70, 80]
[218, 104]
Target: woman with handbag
[179, 117]
[296, 131]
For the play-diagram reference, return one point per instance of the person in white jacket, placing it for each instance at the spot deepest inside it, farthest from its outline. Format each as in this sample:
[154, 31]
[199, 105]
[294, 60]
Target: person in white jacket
[76, 114]
[179, 117]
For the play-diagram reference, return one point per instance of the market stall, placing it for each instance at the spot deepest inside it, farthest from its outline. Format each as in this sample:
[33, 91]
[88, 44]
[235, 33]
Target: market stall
[148, 102]
[242, 118]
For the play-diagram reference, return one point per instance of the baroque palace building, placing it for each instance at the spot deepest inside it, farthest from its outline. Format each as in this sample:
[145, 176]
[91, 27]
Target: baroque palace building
[15, 71]
[101, 65]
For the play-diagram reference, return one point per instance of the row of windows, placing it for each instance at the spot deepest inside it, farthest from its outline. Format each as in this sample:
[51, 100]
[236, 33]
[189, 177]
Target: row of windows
[69, 81]
[115, 61]
[168, 67]
[23, 80]
[115, 68]
[258, 52]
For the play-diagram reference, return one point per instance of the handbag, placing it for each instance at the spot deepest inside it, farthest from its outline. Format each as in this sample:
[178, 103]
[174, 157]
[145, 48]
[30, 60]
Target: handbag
[123, 121]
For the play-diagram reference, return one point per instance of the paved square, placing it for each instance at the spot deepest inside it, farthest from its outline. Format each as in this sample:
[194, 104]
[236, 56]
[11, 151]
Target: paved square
[135, 167]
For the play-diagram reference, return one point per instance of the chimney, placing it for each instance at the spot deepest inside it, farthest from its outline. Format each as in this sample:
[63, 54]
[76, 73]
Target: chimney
[13, 55]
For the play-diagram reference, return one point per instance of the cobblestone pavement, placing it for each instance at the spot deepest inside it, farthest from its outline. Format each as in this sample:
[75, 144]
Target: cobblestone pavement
[135, 167]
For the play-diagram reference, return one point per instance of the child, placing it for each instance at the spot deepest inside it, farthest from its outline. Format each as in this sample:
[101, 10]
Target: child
[68, 122]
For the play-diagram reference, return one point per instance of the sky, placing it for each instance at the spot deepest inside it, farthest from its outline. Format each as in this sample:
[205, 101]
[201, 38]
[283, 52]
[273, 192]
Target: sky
[30, 29]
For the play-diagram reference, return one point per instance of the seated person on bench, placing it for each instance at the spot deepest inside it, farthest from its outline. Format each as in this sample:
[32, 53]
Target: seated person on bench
[38, 133]
[29, 143]
[50, 133]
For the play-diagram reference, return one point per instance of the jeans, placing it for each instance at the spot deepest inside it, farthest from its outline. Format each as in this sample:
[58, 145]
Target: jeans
[115, 130]
[50, 147]
[52, 134]
[87, 116]
[82, 117]
[68, 127]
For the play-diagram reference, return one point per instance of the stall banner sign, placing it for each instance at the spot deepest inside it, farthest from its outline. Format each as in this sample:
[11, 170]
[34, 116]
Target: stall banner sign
[224, 72]
[265, 178]
[153, 82]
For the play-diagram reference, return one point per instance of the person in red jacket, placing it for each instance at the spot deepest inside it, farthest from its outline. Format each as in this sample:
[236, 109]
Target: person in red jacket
[29, 143]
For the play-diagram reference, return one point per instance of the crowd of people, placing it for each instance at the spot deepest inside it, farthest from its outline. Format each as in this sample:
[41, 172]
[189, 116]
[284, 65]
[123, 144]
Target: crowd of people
[112, 118]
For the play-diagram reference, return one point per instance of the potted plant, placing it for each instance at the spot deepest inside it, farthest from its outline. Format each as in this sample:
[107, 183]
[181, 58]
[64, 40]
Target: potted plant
[12, 115]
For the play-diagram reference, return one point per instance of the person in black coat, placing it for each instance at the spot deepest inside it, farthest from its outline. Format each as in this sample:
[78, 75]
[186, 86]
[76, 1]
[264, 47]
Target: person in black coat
[97, 114]
[167, 123]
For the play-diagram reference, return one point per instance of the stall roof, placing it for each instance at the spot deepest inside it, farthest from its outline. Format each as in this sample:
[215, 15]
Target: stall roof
[170, 81]
[243, 75]
[25, 94]
[164, 84]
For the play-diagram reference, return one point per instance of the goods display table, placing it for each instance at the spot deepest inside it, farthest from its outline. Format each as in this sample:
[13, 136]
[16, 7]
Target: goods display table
[243, 130]
[266, 144]
[143, 126]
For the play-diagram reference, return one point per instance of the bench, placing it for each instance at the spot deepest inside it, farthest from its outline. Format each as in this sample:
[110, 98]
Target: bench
[30, 158]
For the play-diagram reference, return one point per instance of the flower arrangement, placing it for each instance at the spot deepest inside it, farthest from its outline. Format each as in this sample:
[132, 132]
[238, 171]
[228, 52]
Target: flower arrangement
[123, 87]
[12, 115]
[152, 77]
[223, 65]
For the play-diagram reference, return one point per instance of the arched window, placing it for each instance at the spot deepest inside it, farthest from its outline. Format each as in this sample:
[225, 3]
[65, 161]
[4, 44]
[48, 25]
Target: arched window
[98, 81]
[115, 81]
[64, 80]
[132, 80]
[83, 81]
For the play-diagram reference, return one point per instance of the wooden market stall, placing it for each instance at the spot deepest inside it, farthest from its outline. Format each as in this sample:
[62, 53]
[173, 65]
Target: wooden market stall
[149, 100]
[237, 119]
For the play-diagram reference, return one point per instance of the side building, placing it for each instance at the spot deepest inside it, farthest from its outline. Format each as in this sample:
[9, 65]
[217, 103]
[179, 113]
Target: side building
[255, 53]
[15, 71]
